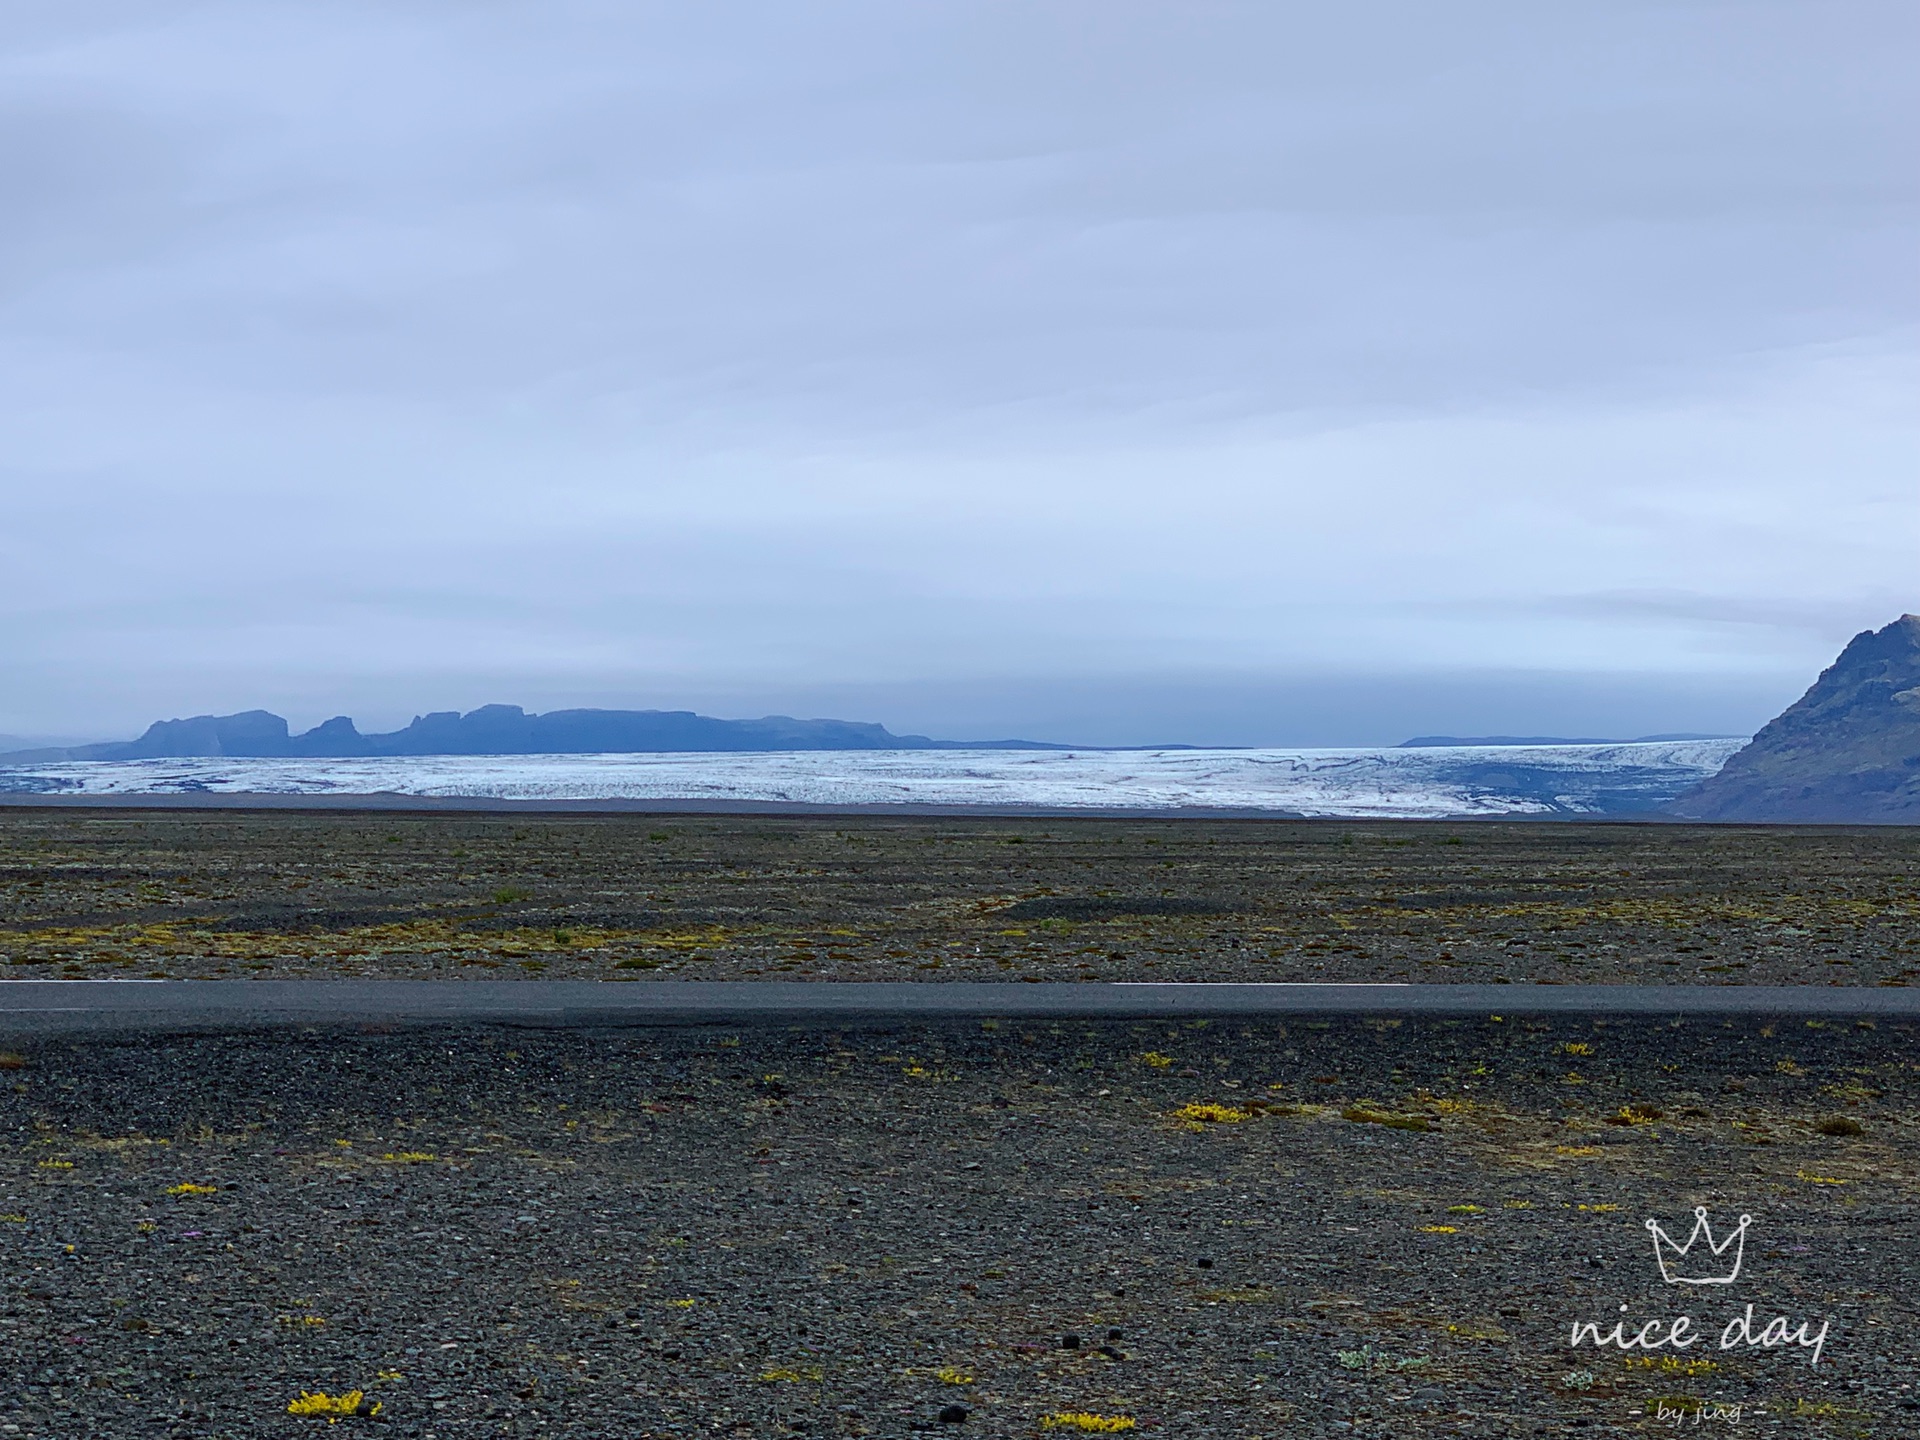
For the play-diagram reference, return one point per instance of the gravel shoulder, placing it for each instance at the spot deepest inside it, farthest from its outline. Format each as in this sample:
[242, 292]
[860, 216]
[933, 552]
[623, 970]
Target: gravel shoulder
[1314, 1227]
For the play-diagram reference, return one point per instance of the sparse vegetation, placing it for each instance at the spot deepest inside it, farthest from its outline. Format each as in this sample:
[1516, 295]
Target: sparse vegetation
[320, 1405]
[613, 1203]
[326, 894]
[1367, 1115]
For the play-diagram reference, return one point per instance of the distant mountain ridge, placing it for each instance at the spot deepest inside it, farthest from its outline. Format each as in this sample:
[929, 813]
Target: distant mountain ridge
[1436, 742]
[506, 730]
[1846, 752]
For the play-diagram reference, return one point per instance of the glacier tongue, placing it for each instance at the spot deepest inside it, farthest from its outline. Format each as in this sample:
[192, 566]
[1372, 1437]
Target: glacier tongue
[1378, 783]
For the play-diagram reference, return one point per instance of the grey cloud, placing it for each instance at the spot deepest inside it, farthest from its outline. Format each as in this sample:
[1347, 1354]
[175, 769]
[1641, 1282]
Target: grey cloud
[948, 209]
[1826, 620]
[507, 348]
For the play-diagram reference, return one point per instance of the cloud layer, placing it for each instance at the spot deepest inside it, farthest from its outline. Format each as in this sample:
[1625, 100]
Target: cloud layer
[976, 363]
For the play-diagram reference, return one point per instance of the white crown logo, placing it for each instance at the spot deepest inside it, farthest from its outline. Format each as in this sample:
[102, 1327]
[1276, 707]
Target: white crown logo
[1710, 1268]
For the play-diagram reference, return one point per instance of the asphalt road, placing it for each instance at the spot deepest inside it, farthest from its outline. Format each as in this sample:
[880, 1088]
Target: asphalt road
[43, 1007]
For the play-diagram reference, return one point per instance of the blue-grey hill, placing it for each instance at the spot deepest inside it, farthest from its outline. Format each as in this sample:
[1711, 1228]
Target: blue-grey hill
[1846, 752]
[506, 730]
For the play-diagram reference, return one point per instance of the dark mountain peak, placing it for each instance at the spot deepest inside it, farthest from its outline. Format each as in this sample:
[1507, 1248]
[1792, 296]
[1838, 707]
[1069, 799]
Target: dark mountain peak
[337, 736]
[1846, 751]
[1899, 640]
[251, 732]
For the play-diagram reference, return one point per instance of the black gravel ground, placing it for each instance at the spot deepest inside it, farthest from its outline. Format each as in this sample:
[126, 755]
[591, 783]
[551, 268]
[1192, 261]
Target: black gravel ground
[211, 893]
[1377, 1228]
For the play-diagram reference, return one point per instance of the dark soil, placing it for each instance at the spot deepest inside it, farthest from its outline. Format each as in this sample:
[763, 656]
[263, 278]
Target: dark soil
[635, 896]
[1375, 1228]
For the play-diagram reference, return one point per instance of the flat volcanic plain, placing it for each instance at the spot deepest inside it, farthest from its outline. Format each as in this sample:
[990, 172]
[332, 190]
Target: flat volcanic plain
[191, 894]
[1292, 1227]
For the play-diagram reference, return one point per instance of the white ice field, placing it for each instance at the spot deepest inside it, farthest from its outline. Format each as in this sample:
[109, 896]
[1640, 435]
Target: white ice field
[1384, 783]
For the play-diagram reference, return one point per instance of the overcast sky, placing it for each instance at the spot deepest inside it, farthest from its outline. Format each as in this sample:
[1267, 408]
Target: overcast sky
[1102, 371]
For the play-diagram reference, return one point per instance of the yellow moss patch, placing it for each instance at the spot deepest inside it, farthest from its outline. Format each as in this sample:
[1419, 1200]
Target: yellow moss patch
[1210, 1114]
[1635, 1115]
[1668, 1364]
[1365, 1115]
[438, 936]
[120, 1144]
[1086, 1420]
[332, 1408]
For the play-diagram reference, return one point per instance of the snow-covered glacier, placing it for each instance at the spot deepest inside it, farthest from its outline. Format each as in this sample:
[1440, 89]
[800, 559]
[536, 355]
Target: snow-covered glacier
[1382, 783]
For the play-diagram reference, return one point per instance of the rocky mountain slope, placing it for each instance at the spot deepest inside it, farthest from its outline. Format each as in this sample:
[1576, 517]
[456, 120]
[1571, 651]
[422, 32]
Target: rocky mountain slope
[1847, 752]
